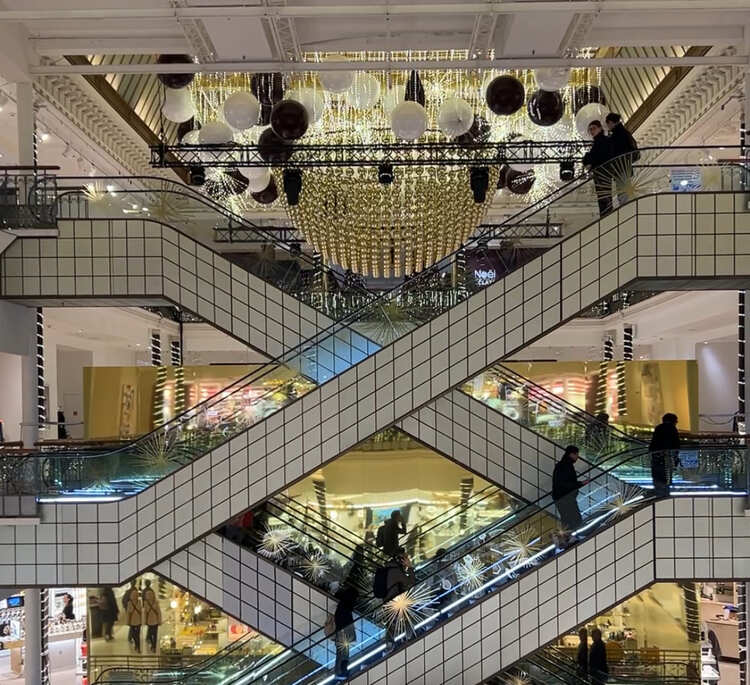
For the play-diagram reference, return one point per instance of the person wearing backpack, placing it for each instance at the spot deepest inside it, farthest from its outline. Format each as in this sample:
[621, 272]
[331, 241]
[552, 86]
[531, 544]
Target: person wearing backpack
[388, 533]
[345, 633]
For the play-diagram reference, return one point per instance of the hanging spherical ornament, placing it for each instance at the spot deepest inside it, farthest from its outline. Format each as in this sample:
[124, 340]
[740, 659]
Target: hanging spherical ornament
[178, 105]
[519, 182]
[312, 99]
[258, 178]
[336, 81]
[365, 91]
[241, 110]
[268, 195]
[455, 117]
[409, 120]
[235, 182]
[502, 178]
[479, 132]
[392, 98]
[175, 80]
[215, 133]
[185, 127]
[552, 78]
[289, 119]
[505, 95]
[190, 138]
[588, 113]
[545, 107]
[268, 88]
[586, 95]
[273, 149]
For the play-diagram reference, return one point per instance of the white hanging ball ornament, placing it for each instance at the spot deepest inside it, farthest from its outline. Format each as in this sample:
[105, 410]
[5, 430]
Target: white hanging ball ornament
[552, 78]
[364, 92]
[241, 110]
[259, 181]
[215, 133]
[190, 138]
[178, 105]
[455, 117]
[409, 120]
[393, 97]
[312, 99]
[588, 113]
[336, 81]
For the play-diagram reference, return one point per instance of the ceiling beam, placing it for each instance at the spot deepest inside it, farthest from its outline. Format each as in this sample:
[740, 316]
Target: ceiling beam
[228, 11]
[122, 108]
[663, 89]
[504, 63]
[138, 45]
[640, 36]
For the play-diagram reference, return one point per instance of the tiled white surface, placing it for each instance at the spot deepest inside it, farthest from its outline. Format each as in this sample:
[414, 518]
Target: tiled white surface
[108, 543]
[250, 588]
[566, 592]
[140, 259]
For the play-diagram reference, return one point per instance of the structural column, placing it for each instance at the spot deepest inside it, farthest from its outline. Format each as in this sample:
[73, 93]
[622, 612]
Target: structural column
[26, 124]
[32, 660]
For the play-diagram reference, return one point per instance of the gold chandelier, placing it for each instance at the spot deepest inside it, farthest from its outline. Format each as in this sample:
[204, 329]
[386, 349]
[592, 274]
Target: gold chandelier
[428, 211]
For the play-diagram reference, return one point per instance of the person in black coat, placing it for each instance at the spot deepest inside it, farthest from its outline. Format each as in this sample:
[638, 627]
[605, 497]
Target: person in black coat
[565, 486]
[346, 633]
[108, 611]
[664, 449]
[624, 152]
[388, 534]
[582, 656]
[598, 668]
[596, 160]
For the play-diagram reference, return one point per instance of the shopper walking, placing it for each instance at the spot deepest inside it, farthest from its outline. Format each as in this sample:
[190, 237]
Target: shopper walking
[565, 486]
[625, 153]
[67, 612]
[598, 668]
[595, 160]
[151, 616]
[388, 534]
[664, 449]
[582, 656]
[346, 633]
[134, 616]
[108, 611]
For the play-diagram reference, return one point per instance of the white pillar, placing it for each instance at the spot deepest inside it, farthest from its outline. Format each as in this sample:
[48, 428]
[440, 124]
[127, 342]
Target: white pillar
[25, 123]
[32, 661]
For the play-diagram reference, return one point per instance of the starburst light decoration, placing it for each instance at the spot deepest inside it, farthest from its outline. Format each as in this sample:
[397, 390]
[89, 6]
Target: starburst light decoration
[427, 211]
[470, 573]
[520, 544]
[276, 543]
[519, 679]
[314, 566]
[405, 610]
[623, 501]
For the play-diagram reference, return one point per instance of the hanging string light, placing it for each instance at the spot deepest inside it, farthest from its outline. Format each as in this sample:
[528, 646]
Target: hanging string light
[601, 383]
[741, 355]
[41, 398]
[627, 355]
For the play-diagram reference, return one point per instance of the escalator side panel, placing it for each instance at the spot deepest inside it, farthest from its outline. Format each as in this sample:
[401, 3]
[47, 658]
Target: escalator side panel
[653, 543]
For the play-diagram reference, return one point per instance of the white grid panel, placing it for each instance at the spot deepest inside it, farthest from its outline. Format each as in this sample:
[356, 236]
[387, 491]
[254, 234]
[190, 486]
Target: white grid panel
[114, 544]
[250, 588]
[101, 259]
[567, 591]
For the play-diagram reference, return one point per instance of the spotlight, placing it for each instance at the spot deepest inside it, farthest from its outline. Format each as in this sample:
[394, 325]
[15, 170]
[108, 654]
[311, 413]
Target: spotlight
[196, 176]
[479, 180]
[292, 186]
[567, 170]
[295, 249]
[385, 174]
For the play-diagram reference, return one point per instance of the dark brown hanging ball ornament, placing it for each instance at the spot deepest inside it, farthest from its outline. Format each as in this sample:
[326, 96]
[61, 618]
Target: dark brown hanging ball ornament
[478, 133]
[268, 195]
[175, 80]
[519, 182]
[235, 182]
[273, 149]
[502, 177]
[545, 107]
[505, 95]
[289, 119]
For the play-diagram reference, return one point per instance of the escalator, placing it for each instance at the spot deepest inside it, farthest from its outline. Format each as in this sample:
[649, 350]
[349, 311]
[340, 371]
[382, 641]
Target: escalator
[276, 442]
[517, 555]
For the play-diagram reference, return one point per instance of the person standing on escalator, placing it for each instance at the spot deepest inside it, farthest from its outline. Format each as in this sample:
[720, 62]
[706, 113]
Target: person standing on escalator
[598, 667]
[595, 160]
[624, 152]
[346, 633]
[388, 534]
[565, 486]
[664, 449]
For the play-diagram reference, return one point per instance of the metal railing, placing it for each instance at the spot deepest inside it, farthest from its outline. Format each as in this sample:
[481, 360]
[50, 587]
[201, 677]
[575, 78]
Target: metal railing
[27, 197]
